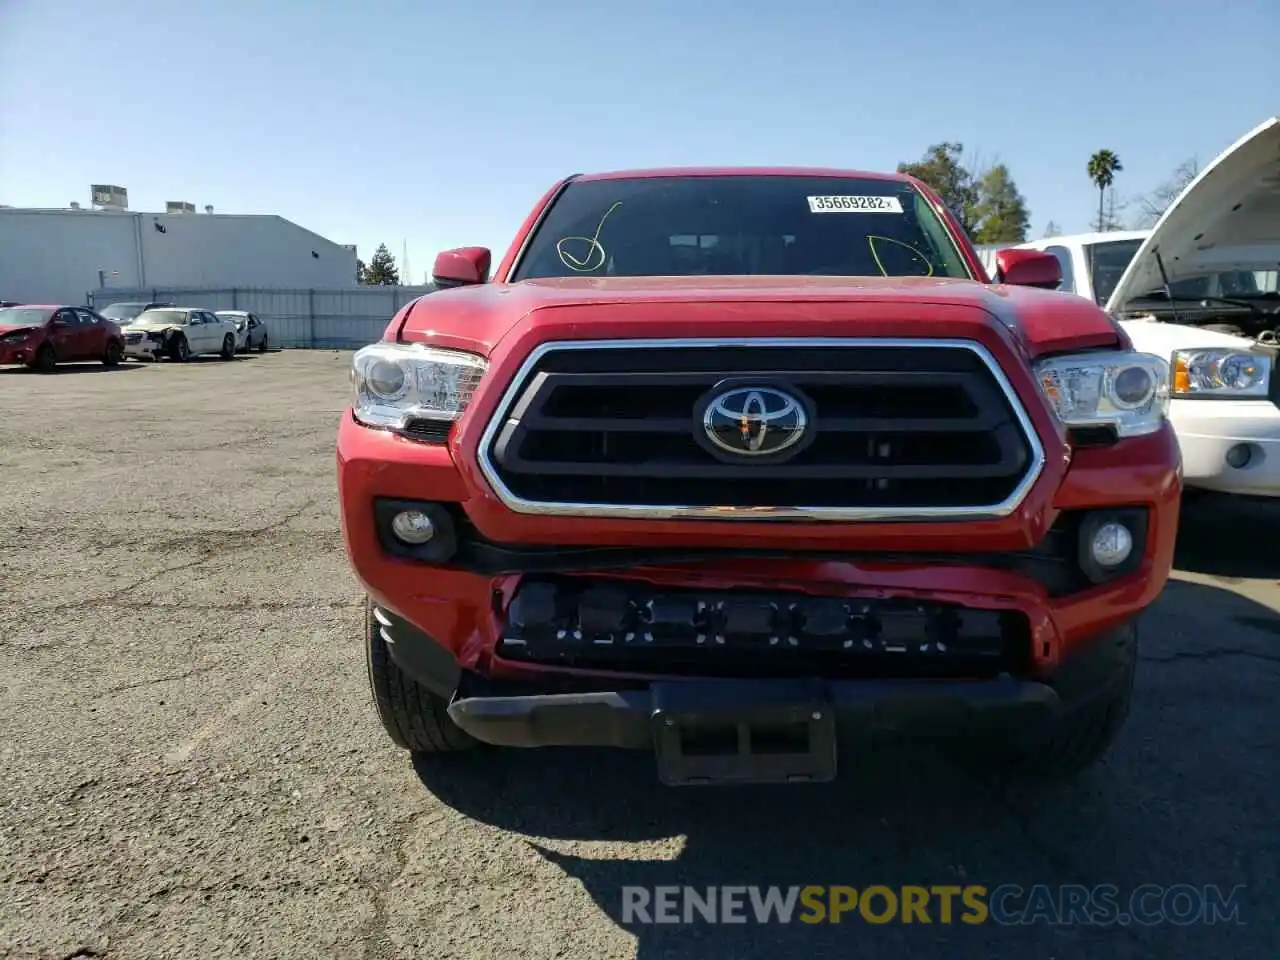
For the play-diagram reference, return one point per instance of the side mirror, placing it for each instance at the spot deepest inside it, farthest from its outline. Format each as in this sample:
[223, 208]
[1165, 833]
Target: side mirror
[462, 267]
[1028, 268]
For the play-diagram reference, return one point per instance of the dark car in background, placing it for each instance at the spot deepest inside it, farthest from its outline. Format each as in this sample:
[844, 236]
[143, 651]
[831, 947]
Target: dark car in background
[124, 313]
[41, 336]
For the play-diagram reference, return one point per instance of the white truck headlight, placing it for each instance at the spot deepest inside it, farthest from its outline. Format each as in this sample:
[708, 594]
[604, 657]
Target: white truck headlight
[1124, 390]
[1221, 372]
[394, 383]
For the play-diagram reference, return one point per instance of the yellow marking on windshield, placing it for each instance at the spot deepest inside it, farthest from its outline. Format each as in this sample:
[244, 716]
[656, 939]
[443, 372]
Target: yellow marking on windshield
[871, 242]
[595, 253]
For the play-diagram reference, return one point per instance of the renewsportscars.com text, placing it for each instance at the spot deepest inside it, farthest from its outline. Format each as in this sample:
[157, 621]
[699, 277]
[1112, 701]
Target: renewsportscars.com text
[1007, 905]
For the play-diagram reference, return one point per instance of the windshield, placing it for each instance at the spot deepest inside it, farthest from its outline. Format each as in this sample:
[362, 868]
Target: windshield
[741, 225]
[162, 316]
[123, 311]
[23, 316]
[1107, 262]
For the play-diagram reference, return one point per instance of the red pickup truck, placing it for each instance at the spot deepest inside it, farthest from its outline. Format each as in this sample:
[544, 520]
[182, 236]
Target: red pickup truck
[733, 464]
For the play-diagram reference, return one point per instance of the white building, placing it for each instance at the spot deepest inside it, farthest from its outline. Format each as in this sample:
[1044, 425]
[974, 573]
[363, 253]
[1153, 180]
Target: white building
[59, 256]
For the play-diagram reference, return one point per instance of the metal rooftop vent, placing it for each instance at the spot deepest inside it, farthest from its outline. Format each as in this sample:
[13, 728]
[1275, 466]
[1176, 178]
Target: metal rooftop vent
[108, 197]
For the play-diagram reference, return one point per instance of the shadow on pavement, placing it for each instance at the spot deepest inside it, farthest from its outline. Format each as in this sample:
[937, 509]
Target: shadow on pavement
[1187, 796]
[89, 366]
[1230, 537]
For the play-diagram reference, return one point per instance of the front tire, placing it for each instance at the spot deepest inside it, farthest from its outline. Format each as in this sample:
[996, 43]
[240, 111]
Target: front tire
[114, 354]
[262, 346]
[1081, 738]
[180, 350]
[45, 359]
[228, 347]
[415, 719]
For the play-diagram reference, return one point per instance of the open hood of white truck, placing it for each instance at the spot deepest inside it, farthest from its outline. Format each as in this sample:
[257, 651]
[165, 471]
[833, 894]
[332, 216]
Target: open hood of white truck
[1227, 218]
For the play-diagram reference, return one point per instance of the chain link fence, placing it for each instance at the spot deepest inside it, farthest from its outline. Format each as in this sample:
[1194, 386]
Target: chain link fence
[307, 319]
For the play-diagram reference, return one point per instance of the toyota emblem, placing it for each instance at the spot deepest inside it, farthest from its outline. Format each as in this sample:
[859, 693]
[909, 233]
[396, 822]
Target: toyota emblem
[754, 421]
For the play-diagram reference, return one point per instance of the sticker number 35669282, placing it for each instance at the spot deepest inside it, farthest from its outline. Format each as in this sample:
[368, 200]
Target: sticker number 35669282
[855, 205]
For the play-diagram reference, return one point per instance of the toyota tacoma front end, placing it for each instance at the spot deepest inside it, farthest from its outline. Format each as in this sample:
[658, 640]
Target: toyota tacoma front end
[732, 465]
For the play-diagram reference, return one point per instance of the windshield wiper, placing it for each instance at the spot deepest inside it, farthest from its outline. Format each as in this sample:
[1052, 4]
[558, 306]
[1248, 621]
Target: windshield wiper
[1161, 296]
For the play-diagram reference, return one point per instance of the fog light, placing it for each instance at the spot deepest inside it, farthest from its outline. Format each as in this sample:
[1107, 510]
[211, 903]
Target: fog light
[1239, 455]
[1112, 544]
[412, 527]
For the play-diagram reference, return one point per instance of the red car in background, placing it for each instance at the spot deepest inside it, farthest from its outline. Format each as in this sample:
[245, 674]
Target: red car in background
[43, 335]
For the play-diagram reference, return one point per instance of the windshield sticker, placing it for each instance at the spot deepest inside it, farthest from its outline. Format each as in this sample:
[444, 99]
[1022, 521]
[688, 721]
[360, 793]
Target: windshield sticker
[916, 255]
[585, 254]
[854, 205]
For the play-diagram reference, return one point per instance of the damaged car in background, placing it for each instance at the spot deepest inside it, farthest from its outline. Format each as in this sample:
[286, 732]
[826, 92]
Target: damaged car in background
[1200, 289]
[179, 333]
[251, 329]
[42, 336]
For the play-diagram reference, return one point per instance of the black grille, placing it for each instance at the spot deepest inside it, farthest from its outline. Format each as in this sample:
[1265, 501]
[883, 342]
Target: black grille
[892, 427]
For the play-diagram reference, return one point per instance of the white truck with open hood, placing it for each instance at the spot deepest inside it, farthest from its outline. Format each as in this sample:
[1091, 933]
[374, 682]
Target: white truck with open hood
[1200, 288]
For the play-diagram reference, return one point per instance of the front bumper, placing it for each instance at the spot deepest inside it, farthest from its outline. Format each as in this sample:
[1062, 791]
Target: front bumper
[704, 730]
[1209, 430]
[11, 353]
[144, 349]
[459, 603]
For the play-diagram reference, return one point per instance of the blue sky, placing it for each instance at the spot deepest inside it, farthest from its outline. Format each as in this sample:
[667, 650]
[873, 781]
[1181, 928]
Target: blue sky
[440, 124]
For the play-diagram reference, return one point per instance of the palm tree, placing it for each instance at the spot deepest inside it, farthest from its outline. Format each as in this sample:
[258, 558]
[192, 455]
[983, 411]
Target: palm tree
[1103, 167]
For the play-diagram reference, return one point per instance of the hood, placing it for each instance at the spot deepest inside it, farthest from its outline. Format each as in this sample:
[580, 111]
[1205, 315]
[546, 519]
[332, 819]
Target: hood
[1227, 218]
[480, 316]
[140, 324]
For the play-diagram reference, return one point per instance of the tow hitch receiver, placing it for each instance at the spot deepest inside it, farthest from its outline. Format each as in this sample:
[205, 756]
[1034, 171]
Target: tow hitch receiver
[710, 732]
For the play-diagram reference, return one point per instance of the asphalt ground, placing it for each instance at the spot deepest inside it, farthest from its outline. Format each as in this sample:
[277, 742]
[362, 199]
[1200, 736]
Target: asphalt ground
[190, 764]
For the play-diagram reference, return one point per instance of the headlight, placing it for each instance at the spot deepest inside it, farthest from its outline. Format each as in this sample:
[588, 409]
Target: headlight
[397, 382]
[15, 336]
[1124, 390]
[1220, 372]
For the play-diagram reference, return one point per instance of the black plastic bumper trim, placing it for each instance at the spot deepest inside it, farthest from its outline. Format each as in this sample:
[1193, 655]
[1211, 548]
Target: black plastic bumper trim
[417, 654]
[625, 718]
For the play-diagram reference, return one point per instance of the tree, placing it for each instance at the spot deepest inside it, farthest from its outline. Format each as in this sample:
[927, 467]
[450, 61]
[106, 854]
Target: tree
[943, 169]
[1052, 229]
[1111, 219]
[361, 270]
[381, 271]
[1103, 167]
[983, 198]
[1154, 204]
[1001, 211]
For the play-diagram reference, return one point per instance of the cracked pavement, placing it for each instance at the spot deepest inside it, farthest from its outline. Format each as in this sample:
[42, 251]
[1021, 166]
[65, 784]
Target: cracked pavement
[190, 765]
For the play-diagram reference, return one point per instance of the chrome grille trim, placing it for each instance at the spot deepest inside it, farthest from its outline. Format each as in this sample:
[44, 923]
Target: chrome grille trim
[822, 514]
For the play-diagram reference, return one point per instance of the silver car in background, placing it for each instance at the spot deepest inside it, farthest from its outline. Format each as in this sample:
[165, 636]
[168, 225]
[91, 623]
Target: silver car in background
[251, 330]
